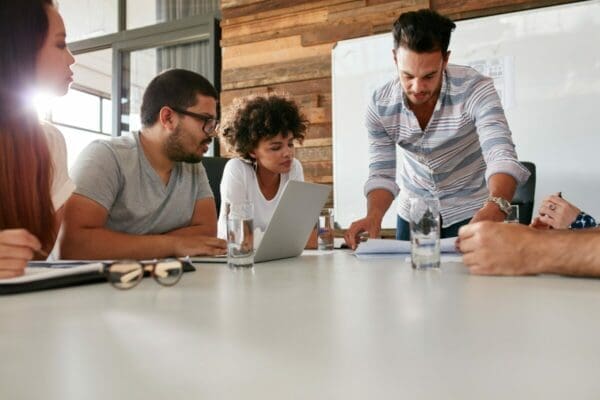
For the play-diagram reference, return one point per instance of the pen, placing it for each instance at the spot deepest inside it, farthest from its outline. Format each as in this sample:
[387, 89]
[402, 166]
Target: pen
[41, 252]
[560, 194]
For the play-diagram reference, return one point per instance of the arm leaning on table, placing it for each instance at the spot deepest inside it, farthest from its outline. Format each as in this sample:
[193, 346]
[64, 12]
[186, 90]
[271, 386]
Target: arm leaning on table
[378, 202]
[381, 187]
[499, 185]
[85, 236]
[503, 171]
[491, 248]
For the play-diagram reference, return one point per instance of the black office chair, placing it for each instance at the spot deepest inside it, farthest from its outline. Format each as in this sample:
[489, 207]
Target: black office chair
[214, 170]
[525, 195]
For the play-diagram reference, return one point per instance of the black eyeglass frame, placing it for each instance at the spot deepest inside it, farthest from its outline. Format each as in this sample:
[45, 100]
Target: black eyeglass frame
[200, 117]
[146, 267]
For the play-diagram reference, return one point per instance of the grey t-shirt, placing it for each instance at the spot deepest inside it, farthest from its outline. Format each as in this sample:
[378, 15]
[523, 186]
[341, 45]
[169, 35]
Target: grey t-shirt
[116, 174]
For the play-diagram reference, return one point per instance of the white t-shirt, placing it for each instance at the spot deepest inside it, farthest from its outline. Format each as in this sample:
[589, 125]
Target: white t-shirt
[62, 186]
[239, 183]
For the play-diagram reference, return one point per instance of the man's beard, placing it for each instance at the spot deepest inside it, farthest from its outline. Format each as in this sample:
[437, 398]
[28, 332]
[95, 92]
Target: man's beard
[175, 151]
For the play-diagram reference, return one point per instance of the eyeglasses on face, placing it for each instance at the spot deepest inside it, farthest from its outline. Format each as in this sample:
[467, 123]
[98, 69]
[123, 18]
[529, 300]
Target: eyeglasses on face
[210, 124]
[126, 274]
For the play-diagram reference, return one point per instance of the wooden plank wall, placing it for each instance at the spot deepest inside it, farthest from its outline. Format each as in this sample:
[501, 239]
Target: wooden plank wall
[285, 46]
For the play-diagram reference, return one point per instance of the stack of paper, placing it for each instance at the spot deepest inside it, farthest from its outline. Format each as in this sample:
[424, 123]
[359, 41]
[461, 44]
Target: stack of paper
[384, 248]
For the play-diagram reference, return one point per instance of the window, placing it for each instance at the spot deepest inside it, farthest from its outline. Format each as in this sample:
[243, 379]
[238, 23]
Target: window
[84, 114]
[146, 64]
[78, 109]
[81, 117]
[143, 12]
[114, 62]
[86, 19]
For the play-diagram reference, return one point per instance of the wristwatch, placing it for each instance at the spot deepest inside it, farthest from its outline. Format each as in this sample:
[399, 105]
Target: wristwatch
[502, 203]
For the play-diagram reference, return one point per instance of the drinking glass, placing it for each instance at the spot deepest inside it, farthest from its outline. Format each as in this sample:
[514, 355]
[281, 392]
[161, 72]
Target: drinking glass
[425, 232]
[240, 234]
[513, 216]
[326, 229]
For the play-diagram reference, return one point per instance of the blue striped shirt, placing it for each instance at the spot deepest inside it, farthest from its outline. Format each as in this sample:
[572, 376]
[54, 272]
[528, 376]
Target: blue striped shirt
[466, 141]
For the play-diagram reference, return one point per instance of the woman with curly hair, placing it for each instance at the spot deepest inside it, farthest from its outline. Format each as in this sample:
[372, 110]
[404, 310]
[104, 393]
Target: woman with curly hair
[261, 131]
[33, 158]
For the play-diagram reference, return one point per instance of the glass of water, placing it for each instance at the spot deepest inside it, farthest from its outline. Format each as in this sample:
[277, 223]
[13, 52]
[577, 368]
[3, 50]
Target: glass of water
[513, 216]
[240, 234]
[425, 232]
[326, 229]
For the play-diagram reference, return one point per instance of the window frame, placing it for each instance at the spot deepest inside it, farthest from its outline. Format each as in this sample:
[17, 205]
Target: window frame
[191, 29]
[91, 92]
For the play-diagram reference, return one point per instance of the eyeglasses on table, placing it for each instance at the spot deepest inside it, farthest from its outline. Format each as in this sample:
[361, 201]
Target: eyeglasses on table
[126, 274]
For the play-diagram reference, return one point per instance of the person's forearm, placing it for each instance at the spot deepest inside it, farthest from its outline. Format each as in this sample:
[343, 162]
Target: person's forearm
[196, 230]
[378, 202]
[502, 185]
[569, 253]
[101, 243]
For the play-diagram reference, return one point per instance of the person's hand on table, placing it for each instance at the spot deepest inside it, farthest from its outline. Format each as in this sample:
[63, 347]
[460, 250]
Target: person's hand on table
[555, 212]
[369, 224]
[199, 246]
[491, 248]
[17, 247]
[489, 212]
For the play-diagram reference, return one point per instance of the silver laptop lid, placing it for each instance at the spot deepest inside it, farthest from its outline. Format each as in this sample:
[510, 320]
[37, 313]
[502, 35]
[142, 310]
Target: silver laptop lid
[293, 220]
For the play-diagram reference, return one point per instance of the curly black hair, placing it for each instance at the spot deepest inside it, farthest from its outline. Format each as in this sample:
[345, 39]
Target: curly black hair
[250, 119]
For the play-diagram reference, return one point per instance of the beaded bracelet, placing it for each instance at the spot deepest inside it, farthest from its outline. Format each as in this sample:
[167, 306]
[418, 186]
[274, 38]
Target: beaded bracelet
[583, 220]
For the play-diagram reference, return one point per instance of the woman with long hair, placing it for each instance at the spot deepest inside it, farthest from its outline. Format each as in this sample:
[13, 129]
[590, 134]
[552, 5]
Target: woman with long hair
[34, 183]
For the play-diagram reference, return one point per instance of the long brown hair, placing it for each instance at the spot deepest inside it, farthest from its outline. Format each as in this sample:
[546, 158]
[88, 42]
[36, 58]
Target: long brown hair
[25, 164]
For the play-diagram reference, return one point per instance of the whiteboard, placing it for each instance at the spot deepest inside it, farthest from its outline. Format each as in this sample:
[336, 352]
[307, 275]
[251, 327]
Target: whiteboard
[546, 65]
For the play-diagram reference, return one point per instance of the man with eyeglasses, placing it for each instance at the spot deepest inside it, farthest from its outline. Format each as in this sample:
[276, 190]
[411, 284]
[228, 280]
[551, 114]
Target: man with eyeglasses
[146, 195]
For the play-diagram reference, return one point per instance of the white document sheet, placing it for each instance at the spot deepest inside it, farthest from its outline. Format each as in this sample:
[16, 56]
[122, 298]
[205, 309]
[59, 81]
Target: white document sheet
[37, 271]
[374, 248]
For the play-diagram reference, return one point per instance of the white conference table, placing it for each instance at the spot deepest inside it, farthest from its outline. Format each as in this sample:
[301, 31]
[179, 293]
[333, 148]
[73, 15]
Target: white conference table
[324, 326]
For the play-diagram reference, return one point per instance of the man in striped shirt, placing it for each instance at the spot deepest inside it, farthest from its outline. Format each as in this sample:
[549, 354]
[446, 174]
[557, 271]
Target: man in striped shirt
[450, 124]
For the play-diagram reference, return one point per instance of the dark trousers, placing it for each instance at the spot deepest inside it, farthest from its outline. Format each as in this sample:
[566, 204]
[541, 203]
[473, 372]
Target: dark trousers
[403, 229]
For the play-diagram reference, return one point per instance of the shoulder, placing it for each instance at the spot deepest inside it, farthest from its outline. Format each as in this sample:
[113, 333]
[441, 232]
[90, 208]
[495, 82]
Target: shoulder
[296, 166]
[125, 144]
[54, 137]
[236, 166]
[119, 148]
[57, 146]
[385, 101]
[390, 91]
[463, 78]
[50, 130]
[296, 171]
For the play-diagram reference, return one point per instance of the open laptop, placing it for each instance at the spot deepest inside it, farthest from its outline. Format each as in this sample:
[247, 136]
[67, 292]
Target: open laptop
[291, 224]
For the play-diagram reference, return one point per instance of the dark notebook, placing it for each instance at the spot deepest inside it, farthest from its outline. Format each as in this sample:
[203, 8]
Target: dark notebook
[53, 275]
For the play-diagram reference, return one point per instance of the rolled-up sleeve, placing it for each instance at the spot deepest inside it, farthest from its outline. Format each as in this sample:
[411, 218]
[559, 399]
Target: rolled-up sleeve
[382, 154]
[494, 134]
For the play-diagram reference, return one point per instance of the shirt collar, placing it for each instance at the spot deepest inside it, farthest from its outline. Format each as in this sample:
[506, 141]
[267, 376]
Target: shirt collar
[443, 90]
